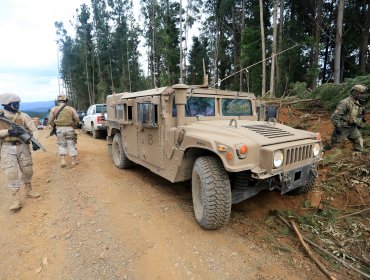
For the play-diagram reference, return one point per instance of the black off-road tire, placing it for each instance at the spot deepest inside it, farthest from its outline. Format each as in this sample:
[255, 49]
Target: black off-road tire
[95, 133]
[118, 153]
[306, 188]
[211, 193]
[83, 129]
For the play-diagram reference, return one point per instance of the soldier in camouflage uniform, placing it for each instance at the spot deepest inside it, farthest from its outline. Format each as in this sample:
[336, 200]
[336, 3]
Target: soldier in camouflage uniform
[16, 160]
[348, 117]
[65, 123]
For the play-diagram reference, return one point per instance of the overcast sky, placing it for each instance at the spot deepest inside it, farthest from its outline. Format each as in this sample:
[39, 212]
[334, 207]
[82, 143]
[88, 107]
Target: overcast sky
[28, 51]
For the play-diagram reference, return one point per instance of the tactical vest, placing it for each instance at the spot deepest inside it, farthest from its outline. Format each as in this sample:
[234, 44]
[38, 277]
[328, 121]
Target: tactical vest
[65, 117]
[355, 113]
[18, 121]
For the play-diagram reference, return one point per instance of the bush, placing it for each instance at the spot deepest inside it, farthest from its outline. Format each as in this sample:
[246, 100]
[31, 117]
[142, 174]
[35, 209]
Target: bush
[330, 94]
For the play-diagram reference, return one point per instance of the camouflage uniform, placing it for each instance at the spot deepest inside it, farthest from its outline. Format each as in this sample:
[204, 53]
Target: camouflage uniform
[347, 118]
[16, 160]
[67, 119]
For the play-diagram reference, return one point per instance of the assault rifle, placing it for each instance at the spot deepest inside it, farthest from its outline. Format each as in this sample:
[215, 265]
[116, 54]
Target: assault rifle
[24, 135]
[53, 131]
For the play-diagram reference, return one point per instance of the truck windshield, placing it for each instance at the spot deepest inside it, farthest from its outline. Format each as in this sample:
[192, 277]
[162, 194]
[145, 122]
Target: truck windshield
[236, 107]
[204, 106]
[101, 108]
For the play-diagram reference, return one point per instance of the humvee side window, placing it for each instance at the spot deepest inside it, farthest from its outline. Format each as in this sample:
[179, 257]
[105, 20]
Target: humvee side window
[129, 113]
[236, 107]
[147, 114]
[204, 106]
[119, 111]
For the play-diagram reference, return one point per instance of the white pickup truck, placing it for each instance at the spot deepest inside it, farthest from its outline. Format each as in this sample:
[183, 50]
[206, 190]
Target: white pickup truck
[94, 120]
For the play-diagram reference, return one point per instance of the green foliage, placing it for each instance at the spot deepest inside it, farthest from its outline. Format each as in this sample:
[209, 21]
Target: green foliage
[330, 94]
[103, 57]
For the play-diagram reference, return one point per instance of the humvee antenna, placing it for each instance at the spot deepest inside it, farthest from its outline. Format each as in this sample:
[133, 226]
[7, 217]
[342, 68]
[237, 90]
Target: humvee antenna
[254, 64]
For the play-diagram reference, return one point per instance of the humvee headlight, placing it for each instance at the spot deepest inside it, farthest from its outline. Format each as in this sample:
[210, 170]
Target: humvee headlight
[316, 149]
[241, 151]
[278, 158]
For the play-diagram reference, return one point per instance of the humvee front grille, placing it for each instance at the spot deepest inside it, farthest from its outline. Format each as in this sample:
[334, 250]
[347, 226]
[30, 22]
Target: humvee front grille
[298, 154]
[268, 131]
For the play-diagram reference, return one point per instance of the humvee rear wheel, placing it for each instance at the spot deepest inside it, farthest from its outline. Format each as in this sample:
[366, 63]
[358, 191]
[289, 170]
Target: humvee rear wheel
[118, 153]
[211, 193]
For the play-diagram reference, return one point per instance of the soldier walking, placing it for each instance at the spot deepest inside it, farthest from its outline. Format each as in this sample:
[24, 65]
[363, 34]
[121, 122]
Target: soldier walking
[65, 118]
[16, 160]
[348, 117]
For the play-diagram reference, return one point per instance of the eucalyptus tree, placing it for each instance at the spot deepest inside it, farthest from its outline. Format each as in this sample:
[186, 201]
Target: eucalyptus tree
[198, 61]
[83, 54]
[77, 59]
[102, 39]
[151, 12]
[126, 72]
[338, 43]
[169, 43]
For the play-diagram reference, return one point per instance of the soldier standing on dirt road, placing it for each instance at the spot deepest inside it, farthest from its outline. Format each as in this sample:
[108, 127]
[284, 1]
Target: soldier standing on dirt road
[14, 154]
[348, 117]
[65, 118]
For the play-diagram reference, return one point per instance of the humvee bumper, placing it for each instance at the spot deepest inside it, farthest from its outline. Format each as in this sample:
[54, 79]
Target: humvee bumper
[296, 178]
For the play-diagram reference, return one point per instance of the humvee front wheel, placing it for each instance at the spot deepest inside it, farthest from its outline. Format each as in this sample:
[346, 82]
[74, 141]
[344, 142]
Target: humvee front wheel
[305, 188]
[118, 153]
[211, 193]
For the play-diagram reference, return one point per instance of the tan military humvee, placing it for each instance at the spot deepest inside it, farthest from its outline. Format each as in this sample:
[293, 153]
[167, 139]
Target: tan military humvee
[214, 138]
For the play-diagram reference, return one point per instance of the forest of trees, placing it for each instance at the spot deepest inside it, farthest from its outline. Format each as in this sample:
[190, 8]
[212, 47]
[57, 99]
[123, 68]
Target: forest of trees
[265, 46]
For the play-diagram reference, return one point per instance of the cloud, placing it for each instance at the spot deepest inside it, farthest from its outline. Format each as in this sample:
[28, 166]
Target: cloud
[28, 50]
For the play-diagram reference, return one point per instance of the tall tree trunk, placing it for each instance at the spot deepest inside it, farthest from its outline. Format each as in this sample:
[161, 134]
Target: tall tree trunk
[315, 49]
[365, 40]
[236, 58]
[338, 43]
[280, 44]
[240, 53]
[263, 91]
[273, 55]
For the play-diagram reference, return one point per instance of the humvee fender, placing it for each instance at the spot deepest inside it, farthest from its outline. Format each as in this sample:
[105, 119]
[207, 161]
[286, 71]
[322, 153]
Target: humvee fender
[220, 140]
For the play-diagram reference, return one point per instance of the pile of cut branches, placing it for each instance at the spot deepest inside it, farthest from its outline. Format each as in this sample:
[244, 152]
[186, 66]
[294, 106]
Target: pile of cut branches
[340, 227]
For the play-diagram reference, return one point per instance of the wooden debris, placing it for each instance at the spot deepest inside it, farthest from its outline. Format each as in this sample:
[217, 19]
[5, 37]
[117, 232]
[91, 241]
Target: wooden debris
[310, 254]
[276, 213]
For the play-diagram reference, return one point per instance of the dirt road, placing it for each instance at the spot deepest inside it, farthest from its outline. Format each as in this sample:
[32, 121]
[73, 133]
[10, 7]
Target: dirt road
[95, 221]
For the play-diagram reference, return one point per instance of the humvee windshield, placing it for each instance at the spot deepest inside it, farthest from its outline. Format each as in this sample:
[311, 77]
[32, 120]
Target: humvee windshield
[205, 106]
[236, 107]
[197, 106]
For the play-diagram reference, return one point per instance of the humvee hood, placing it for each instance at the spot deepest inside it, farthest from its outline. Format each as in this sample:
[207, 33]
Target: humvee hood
[263, 133]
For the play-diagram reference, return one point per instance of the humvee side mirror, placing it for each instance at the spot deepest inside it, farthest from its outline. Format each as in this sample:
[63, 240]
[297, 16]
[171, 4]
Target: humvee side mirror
[271, 112]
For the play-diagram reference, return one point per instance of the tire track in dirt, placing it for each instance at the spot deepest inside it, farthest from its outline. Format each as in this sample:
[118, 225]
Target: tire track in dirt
[95, 221]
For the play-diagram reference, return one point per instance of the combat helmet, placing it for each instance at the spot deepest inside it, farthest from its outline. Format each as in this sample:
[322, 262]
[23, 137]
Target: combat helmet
[358, 92]
[62, 98]
[7, 98]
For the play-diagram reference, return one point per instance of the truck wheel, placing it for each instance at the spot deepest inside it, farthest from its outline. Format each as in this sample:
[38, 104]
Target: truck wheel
[306, 188]
[94, 132]
[211, 193]
[83, 128]
[118, 153]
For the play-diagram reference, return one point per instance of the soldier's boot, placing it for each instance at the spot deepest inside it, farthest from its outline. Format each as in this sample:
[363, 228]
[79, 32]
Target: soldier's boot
[328, 146]
[31, 193]
[17, 204]
[74, 160]
[63, 161]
